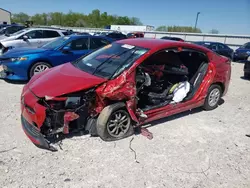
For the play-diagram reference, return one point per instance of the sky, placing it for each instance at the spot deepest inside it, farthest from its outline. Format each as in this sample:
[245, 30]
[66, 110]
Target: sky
[227, 16]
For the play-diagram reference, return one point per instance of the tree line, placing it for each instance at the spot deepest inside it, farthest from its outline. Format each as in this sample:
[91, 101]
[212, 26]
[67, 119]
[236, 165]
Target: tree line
[186, 29]
[95, 19]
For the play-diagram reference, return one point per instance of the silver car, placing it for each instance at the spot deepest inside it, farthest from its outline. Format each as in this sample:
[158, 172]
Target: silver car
[30, 37]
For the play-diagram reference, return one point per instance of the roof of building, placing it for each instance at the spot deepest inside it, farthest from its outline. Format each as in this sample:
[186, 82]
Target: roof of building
[5, 10]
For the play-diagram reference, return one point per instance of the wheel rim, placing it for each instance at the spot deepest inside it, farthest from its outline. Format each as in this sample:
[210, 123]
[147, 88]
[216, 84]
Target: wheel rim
[40, 68]
[214, 97]
[118, 123]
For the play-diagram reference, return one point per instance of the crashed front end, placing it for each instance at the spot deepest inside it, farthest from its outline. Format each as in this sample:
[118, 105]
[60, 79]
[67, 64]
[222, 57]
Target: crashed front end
[45, 120]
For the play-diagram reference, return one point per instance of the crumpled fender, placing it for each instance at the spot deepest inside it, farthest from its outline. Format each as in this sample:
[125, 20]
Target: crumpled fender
[122, 88]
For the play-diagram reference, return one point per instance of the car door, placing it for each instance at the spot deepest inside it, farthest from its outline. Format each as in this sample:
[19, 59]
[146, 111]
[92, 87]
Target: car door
[49, 35]
[31, 38]
[71, 51]
[225, 51]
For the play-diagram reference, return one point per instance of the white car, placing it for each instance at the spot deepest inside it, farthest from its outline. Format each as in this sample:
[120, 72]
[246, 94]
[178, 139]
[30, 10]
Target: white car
[30, 37]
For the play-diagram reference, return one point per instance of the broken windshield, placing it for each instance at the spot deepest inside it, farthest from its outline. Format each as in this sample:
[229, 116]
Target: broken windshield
[110, 60]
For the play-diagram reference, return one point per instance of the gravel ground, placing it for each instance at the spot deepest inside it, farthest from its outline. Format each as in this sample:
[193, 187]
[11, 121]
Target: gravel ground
[198, 149]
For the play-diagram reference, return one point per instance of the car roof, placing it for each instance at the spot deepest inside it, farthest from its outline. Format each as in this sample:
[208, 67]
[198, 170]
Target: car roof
[211, 42]
[159, 43]
[48, 29]
[85, 36]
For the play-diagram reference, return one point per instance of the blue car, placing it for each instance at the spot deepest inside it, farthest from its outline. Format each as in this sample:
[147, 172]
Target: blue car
[242, 53]
[22, 63]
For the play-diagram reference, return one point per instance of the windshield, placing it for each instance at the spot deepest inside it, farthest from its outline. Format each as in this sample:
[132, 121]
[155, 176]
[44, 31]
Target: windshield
[19, 32]
[111, 60]
[246, 46]
[55, 43]
[2, 31]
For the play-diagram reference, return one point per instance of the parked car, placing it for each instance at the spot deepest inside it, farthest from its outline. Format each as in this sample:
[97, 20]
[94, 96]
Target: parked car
[135, 35]
[116, 35]
[173, 38]
[23, 63]
[29, 37]
[247, 68]
[243, 52]
[8, 30]
[218, 47]
[122, 86]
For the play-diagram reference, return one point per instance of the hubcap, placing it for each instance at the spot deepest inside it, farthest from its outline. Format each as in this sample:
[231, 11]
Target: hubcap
[214, 97]
[40, 68]
[118, 124]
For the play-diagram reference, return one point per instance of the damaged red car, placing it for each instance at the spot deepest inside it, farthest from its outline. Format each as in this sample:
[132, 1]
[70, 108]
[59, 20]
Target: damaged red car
[120, 87]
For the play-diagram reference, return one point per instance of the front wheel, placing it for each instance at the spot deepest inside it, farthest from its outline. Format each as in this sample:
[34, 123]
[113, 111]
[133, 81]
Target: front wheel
[38, 68]
[114, 123]
[213, 97]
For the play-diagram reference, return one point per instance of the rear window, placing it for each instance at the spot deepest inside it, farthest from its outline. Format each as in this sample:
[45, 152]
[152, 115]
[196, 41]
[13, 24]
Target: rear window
[50, 34]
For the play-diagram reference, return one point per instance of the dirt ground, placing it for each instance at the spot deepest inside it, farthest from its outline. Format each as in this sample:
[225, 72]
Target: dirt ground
[197, 149]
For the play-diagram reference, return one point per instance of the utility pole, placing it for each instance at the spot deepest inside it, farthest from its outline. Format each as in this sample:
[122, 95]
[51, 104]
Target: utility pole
[197, 16]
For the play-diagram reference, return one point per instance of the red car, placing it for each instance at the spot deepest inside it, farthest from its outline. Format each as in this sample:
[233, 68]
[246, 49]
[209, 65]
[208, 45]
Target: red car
[120, 87]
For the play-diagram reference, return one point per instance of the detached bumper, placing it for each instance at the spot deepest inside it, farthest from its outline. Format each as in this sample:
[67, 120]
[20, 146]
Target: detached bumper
[35, 136]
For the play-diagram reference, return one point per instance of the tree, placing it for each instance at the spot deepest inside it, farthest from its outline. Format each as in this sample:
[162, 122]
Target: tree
[135, 21]
[20, 18]
[71, 19]
[162, 28]
[214, 31]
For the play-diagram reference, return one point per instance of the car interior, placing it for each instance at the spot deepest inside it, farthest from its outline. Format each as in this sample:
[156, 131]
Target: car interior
[158, 75]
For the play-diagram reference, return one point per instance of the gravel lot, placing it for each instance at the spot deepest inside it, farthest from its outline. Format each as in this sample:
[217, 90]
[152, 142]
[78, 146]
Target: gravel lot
[198, 149]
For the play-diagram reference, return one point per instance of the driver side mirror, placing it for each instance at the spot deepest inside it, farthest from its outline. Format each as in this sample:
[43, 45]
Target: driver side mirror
[25, 37]
[65, 49]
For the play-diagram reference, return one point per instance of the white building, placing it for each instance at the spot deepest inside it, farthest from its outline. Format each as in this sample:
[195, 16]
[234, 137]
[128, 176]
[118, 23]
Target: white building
[130, 28]
[4, 16]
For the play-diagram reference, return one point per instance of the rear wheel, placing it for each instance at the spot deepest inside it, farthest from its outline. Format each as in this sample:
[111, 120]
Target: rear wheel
[114, 123]
[213, 97]
[38, 68]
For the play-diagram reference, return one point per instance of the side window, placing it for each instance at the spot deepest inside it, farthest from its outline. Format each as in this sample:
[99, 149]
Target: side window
[97, 43]
[36, 34]
[50, 34]
[213, 46]
[247, 46]
[78, 44]
[221, 47]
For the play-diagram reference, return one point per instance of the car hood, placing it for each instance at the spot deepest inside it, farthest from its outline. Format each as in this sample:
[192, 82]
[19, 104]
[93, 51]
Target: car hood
[23, 51]
[62, 80]
[242, 50]
[4, 38]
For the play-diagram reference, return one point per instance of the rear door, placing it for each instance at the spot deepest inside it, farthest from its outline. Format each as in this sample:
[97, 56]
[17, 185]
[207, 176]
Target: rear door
[224, 50]
[75, 49]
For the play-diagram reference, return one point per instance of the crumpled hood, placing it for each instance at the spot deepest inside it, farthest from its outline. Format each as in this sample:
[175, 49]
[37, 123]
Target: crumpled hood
[22, 52]
[62, 80]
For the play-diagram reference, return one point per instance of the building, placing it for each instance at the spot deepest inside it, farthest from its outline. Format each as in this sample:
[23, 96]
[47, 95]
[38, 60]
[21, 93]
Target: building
[4, 16]
[130, 28]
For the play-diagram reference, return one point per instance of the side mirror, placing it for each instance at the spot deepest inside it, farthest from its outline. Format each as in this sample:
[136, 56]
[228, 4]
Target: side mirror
[25, 37]
[66, 49]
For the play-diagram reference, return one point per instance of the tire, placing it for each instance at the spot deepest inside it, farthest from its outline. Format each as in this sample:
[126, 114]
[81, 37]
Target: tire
[106, 123]
[246, 75]
[213, 97]
[35, 68]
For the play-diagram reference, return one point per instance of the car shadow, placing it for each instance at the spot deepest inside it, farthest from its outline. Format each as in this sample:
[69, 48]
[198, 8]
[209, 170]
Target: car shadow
[16, 82]
[243, 78]
[177, 116]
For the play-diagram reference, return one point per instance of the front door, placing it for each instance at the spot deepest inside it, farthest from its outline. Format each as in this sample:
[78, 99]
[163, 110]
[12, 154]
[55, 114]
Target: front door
[72, 51]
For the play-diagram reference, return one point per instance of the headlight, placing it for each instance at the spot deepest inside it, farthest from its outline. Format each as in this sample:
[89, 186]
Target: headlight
[18, 59]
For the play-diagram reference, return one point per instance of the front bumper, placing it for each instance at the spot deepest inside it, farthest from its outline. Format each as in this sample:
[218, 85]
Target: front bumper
[13, 71]
[35, 136]
[240, 56]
